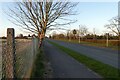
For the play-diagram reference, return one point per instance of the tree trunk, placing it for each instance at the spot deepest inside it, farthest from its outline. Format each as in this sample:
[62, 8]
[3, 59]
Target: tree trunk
[41, 37]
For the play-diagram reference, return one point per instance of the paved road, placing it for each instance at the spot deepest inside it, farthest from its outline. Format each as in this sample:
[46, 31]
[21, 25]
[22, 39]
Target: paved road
[104, 55]
[65, 66]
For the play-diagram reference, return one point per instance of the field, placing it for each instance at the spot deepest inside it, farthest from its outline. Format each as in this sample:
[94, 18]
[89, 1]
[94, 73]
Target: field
[24, 55]
[113, 44]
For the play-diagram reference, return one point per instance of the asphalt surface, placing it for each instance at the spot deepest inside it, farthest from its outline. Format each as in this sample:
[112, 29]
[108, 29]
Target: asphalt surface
[105, 55]
[64, 66]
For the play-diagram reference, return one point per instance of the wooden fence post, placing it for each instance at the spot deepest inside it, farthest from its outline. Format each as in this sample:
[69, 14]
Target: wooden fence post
[10, 55]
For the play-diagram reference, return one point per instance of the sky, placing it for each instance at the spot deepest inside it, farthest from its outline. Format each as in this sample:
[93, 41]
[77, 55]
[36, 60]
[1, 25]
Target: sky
[94, 14]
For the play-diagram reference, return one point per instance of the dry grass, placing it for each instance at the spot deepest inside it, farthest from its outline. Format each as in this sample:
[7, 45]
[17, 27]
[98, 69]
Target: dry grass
[113, 44]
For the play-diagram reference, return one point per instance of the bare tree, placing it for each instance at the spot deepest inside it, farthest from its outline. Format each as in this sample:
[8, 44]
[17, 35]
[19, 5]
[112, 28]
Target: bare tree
[38, 17]
[114, 26]
[83, 30]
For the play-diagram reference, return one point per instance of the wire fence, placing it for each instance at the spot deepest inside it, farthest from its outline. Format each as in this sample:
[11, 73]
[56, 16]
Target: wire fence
[0, 59]
[18, 57]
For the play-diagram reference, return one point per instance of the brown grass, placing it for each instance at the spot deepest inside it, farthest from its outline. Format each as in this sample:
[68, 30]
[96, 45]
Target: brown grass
[113, 44]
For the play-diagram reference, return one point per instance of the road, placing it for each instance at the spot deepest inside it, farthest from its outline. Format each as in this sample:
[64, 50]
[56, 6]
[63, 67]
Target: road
[104, 55]
[64, 66]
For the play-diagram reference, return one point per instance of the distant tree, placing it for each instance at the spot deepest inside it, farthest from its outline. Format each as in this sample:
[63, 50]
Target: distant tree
[61, 36]
[89, 36]
[25, 37]
[29, 35]
[3, 37]
[83, 30]
[114, 26]
[50, 36]
[100, 37]
[20, 35]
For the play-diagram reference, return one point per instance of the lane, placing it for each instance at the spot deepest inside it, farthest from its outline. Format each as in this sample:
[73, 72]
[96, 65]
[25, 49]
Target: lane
[65, 66]
[104, 55]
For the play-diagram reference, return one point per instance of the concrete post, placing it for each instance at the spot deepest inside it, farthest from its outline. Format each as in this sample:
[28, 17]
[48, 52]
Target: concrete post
[10, 55]
[79, 33]
[107, 38]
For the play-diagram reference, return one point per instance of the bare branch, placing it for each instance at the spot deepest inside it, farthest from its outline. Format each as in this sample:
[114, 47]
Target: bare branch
[37, 16]
[113, 25]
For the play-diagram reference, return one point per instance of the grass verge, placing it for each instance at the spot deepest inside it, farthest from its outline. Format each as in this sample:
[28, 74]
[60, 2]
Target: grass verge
[102, 69]
[39, 67]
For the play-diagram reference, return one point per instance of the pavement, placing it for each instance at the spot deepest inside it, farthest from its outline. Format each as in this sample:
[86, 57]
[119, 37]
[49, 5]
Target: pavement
[104, 55]
[64, 66]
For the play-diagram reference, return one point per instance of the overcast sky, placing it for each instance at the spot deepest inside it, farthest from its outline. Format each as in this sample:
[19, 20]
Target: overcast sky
[92, 14]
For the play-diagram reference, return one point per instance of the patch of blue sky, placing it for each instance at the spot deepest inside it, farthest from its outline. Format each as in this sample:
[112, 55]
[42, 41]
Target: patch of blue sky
[92, 14]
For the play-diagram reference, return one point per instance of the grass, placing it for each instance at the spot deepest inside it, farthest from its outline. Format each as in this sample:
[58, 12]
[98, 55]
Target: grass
[24, 60]
[102, 69]
[39, 67]
[91, 43]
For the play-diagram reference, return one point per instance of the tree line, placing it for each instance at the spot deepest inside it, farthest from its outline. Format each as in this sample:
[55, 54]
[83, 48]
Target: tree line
[87, 36]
